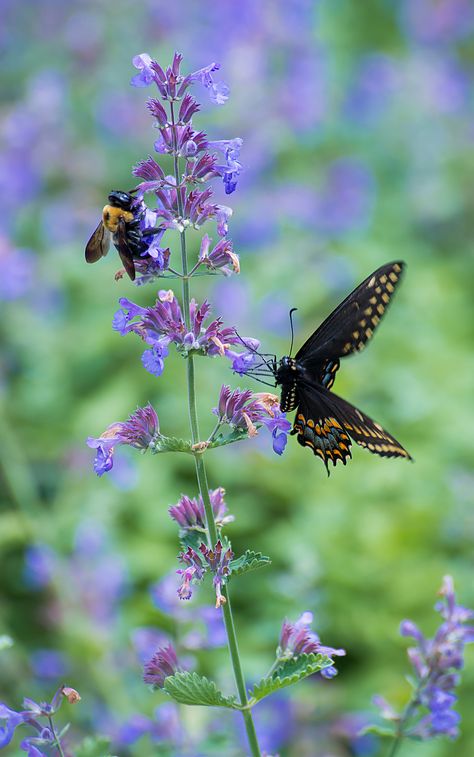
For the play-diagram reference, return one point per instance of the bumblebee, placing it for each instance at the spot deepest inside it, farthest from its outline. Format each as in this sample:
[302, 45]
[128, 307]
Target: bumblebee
[120, 223]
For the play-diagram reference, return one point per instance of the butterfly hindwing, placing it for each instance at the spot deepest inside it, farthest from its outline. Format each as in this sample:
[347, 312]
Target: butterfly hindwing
[320, 429]
[324, 421]
[351, 325]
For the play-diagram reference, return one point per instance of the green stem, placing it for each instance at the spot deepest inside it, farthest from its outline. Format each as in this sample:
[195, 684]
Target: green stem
[57, 742]
[204, 491]
[409, 710]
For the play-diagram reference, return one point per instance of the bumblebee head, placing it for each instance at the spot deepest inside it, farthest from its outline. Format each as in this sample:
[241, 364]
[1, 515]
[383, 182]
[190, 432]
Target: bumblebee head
[119, 199]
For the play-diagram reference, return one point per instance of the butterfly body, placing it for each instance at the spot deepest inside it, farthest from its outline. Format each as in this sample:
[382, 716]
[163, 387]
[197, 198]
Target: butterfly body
[324, 422]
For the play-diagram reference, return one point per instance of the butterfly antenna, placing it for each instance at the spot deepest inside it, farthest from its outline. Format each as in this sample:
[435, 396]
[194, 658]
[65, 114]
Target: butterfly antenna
[262, 356]
[293, 310]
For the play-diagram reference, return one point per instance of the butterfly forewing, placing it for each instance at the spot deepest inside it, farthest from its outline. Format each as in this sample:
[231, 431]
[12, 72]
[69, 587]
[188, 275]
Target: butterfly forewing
[352, 324]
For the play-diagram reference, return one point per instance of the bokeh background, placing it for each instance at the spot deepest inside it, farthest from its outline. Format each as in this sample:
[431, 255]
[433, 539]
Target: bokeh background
[358, 128]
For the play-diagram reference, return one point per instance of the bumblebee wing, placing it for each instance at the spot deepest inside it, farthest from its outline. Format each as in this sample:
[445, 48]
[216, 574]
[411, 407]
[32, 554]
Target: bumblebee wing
[98, 245]
[126, 256]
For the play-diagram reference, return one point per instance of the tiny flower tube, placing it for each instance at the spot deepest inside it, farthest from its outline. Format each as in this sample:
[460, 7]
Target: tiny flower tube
[141, 430]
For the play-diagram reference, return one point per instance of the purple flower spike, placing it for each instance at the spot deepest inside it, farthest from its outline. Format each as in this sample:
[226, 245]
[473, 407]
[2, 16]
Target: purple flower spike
[435, 662]
[298, 638]
[164, 663]
[141, 430]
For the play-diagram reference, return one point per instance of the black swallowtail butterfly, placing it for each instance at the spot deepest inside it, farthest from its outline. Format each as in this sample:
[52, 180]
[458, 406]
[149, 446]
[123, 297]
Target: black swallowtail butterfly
[325, 422]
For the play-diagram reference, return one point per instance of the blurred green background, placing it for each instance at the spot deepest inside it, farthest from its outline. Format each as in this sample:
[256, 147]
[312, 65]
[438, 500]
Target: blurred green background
[358, 128]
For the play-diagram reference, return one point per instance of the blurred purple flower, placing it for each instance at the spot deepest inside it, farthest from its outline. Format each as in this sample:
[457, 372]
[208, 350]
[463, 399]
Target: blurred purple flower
[41, 563]
[435, 662]
[49, 663]
[145, 640]
[375, 81]
[437, 21]
[19, 271]
[164, 663]
[347, 197]
[275, 724]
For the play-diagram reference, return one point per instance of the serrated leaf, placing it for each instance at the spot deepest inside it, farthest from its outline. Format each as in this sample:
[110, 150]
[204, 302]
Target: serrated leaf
[248, 561]
[171, 444]
[289, 672]
[192, 537]
[191, 688]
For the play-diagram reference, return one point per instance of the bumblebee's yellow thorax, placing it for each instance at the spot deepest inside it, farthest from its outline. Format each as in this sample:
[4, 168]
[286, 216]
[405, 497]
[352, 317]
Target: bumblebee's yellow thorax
[112, 215]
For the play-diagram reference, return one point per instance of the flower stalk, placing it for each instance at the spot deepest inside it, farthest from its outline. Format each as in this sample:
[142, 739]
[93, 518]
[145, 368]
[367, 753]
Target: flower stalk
[201, 476]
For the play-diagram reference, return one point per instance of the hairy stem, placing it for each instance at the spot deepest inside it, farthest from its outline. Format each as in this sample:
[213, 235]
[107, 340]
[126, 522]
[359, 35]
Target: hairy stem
[204, 490]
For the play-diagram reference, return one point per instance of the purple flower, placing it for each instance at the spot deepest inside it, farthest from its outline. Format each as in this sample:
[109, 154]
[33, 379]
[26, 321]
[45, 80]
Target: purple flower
[189, 513]
[232, 168]
[164, 663]
[245, 410]
[218, 91]
[435, 662]
[194, 571]
[218, 561]
[221, 256]
[141, 430]
[164, 323]
[146, 76]
[298, 638]
[12, 720]
[48, 663]
[171, 84]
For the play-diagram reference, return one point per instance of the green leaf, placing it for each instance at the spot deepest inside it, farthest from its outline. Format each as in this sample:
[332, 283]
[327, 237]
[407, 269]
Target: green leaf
[96, 746]
[289, 672]
[378, 730]
[191, 688]
[248, 561]
[171, 444]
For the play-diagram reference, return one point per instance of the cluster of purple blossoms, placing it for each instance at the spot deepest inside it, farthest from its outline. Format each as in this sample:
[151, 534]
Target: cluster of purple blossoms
[217, 560]
[180, 200]
[189, 513]
[298, 638]
[435, 662]
[141, 430]
[32, 715]
[245, 410]
[163, 323]
[164, 663]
